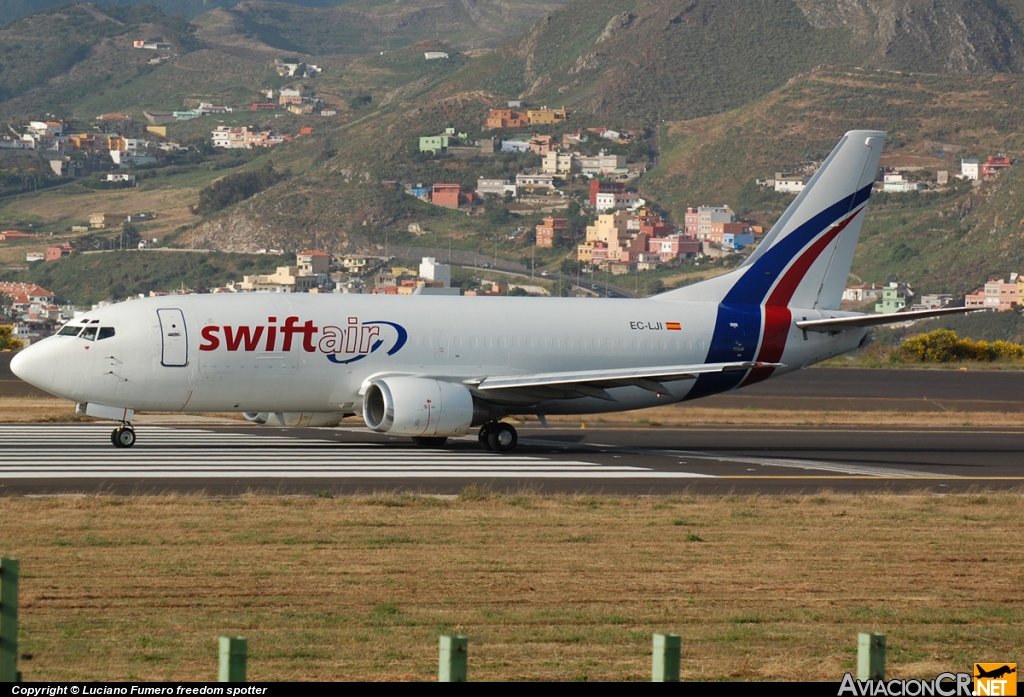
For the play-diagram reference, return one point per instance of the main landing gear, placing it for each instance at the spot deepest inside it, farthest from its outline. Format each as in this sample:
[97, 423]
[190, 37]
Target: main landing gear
[123, 436]
[498, 436]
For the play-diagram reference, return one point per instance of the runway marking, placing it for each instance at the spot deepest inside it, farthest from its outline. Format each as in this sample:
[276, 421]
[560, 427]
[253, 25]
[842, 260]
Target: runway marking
[85, 452]
[813, 465]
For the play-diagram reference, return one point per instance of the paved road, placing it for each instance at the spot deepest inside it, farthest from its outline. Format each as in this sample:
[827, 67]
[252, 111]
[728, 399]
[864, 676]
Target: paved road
[229, 460]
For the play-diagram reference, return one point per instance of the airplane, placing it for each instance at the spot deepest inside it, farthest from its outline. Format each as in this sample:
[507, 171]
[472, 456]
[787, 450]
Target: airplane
[434, 367]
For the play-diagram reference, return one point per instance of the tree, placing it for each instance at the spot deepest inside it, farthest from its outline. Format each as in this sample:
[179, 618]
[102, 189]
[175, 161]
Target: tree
[7, 340]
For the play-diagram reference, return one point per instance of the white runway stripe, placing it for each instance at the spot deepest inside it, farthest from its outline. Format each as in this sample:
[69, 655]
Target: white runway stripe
[75, 452]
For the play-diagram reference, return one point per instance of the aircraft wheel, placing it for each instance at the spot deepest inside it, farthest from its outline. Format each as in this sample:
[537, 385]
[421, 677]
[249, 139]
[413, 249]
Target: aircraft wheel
[113, 439]
[483, 436]
[502, 438]
[430, 441]
[123, 437]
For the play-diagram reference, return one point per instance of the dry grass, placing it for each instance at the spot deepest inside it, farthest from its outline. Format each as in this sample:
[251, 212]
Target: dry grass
[545, 587]
[37, 410]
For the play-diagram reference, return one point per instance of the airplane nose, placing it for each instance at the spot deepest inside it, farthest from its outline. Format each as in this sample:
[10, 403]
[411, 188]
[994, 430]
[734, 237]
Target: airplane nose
[36, 365]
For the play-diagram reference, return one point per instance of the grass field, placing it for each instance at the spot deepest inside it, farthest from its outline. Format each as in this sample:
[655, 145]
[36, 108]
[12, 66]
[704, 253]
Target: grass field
[545, 587]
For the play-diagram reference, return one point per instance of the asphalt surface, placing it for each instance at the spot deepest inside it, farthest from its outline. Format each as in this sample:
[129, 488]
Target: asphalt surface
[229, 460]
[233, 459]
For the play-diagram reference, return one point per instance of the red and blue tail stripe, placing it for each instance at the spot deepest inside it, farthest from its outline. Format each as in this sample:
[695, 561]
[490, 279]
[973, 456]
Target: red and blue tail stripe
[754, 317]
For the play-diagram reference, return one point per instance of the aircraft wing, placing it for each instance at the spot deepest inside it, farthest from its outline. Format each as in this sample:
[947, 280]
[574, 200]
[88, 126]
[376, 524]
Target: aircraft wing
[591, 383]
[838, 324]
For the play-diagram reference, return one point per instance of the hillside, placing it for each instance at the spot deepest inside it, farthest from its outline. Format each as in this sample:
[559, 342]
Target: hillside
[11, 10]
[657, 59]
[933, 121]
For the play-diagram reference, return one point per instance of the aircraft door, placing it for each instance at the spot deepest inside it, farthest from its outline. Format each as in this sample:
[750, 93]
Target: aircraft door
[174, 338]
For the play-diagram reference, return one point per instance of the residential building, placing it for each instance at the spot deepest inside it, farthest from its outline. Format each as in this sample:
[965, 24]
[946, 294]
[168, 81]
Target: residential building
[515, 146]
[313, 262]
[550, 229]
[570, 139]
[55, 252]
[707, 215]
[124, 178]
[263, 106]
[602, 163]
[894, 298]
[862, 293]
[607, 234]
[433, 144]
[506, 118]
[535, 181]
[719, 231]
[558, 163]
[542, 145]
[969, 170]
[286, 97]
[46, 128]
[497, 187]
[446, 195]
[691, 222]
[286, 279]
[244, 137]
[625, 200]
[1000, 295]
[434, 55]
[102, 221]
[790, 183]
[599, 186]
[895, 183]
[673, 247]
[433, 272]
[994, 165]
[545, 116]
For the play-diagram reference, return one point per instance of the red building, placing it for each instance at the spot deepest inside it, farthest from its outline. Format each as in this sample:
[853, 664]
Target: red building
[446, 195]
[599, 186]
[692, 224]
[549, 228]
[263, 106]
[993, 165]
[506, 118]
[56, 252]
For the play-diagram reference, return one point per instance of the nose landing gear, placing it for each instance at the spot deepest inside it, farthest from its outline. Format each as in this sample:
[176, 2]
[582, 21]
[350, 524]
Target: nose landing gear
[498, 436]
[123, 436]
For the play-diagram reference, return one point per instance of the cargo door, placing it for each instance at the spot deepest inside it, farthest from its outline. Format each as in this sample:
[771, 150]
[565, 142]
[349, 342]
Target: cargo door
[174, 338]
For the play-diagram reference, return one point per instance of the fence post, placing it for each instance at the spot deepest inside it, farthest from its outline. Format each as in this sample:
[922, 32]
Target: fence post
[665, 663]
[452, 665]
[8, 620]
[233, 653]
[870, 656]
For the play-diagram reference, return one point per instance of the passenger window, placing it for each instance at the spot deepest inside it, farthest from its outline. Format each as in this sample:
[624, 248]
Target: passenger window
[89, 333]
[106, 333]
[69, 331]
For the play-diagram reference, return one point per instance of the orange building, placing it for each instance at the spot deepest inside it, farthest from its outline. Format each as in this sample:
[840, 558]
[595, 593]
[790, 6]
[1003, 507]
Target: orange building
[506, 118]
[446, 195]
[549, 228]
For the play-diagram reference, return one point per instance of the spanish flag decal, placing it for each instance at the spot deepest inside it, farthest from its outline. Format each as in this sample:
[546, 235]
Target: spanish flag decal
[673, 325]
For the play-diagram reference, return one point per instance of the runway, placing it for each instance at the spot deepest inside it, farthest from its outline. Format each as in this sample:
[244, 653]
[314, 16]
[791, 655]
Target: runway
[232, 460]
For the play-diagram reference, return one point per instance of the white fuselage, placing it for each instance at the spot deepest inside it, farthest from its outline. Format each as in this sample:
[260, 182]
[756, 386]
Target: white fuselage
[316, 353]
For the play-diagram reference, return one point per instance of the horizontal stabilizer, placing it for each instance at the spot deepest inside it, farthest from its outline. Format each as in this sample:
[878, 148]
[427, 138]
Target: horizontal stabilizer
[641, 377]
[838, 324]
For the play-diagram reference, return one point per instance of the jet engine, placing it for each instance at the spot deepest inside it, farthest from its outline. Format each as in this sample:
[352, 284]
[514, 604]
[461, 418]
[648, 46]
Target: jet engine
[295, 419]
[408, 406]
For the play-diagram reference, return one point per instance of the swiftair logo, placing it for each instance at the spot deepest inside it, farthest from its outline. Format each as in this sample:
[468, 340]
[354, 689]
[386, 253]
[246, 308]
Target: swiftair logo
[995, 679]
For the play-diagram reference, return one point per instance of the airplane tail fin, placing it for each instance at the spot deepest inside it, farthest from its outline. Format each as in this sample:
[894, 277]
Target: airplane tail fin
[805, 260]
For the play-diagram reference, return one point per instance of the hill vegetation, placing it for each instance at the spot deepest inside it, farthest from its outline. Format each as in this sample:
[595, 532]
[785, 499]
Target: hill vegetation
[89, 278]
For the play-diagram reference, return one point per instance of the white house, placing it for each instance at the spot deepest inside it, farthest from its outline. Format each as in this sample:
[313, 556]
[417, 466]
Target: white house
[969, 170]
[789, 183]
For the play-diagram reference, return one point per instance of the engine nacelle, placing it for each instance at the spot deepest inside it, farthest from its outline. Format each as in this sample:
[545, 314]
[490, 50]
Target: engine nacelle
[409, 406]
[295, 419]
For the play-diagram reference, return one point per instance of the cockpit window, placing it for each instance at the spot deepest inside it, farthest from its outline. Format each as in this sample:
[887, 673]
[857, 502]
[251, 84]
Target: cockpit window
[69, 331]
[89, 333]
[106, 332]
